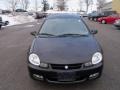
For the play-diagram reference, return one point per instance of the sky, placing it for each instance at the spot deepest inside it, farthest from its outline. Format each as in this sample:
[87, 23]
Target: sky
[72, 4]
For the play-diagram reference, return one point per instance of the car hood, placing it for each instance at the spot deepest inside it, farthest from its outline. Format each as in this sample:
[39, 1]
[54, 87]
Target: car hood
[65, 50]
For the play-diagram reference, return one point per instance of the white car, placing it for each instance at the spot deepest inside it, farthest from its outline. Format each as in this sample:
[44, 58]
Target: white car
[117, 23]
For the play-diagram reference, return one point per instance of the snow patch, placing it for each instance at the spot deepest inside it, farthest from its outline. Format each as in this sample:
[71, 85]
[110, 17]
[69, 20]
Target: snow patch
[19, 19]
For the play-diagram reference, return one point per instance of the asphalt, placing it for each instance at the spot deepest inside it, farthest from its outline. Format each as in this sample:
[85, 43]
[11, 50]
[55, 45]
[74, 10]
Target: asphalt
[14, 44]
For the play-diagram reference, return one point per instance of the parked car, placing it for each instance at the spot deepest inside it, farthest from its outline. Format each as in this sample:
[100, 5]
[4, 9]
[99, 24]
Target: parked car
[3, 23]
[117, 23]
[40, 15]
[20, 10]
[84, 15]
[0, 22]
[95, 15]
[6, 11]
[65, 51]
[91, 15]
[109, 20]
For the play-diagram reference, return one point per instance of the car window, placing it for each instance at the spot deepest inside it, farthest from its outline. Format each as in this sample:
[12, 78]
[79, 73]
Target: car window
[64, 26]
[115, 15]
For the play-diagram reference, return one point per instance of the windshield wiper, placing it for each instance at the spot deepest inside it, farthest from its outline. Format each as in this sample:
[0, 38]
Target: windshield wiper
[46, 34]
[67, 35]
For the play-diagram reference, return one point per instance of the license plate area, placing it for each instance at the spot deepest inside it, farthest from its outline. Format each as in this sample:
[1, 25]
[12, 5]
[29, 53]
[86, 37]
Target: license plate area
[66, 76]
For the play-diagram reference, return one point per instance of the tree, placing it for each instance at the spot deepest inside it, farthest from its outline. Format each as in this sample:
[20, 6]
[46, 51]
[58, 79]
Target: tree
[61, 4]
[25, 4]
[101, 3]
[88, 3]
[45, 5]
[81, 4]
[13, 4]
[36, 5]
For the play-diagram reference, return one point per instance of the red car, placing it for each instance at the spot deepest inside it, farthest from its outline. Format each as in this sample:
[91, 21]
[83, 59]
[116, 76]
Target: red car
[109, 19]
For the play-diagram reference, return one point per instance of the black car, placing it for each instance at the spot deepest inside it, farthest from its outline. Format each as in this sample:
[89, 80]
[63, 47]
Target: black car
[3, 23]
[6, 11]
[65, 51]
[95, 15]
[20, 10]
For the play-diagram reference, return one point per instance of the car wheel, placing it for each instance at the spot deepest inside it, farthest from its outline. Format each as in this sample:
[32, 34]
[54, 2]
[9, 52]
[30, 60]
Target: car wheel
[95, 19]
[103, 22]
[91, 19]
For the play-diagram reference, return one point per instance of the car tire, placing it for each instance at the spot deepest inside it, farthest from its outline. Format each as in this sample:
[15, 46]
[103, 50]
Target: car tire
[0, 26]
[95, 19]
[103, 22]
[91, 19]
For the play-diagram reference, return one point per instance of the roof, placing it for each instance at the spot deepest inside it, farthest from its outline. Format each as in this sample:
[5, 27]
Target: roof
[63, 16]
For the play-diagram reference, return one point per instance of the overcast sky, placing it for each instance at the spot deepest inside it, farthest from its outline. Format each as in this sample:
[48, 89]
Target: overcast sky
[72, 4]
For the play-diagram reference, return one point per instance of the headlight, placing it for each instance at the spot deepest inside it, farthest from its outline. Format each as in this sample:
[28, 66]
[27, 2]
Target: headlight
[88, 64]
[97, 58]
[117, 21]
[34, 59]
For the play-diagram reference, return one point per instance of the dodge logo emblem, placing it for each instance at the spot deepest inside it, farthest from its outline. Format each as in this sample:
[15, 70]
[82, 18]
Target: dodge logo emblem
[66, 67]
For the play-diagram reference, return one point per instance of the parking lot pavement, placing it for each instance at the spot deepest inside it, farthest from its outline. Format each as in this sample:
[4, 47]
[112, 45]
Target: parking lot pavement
[15, 40]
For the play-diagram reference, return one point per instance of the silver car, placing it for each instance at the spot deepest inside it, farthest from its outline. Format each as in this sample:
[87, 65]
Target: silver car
[117, 23]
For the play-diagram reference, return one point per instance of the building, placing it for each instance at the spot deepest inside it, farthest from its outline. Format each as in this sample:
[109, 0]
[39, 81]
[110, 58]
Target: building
[116, 5]
[105, 7]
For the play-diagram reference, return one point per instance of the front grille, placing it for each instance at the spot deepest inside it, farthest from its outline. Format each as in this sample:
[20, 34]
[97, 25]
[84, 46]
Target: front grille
[62, 66]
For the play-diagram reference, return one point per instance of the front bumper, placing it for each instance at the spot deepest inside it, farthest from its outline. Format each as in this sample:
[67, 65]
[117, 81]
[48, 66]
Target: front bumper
[71, 76]
[117, 24]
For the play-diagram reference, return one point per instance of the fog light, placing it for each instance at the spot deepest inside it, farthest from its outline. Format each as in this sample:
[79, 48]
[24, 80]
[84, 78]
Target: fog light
[39, 77]
[93, 76]
[88, 64]
[44, 65]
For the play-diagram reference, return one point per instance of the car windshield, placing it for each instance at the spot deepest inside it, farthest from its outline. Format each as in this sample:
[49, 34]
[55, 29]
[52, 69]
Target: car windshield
[58, 27]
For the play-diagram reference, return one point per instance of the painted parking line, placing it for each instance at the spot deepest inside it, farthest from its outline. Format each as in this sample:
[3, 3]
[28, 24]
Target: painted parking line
[29, 26]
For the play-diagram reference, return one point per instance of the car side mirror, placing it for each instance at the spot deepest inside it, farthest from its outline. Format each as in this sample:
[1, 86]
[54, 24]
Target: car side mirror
[94, 32]
[34, 33]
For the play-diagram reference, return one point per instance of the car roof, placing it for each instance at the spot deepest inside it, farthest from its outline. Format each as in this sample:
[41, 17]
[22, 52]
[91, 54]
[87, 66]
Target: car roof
[63, 16]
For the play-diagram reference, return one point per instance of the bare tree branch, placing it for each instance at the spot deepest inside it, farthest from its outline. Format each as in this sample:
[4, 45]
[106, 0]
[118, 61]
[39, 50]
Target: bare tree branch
[13, 4]
[81, 4]
[36, 5]
[101, 3]
[61, 4]
[25, 4]
[45, 5]
[88, 3]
